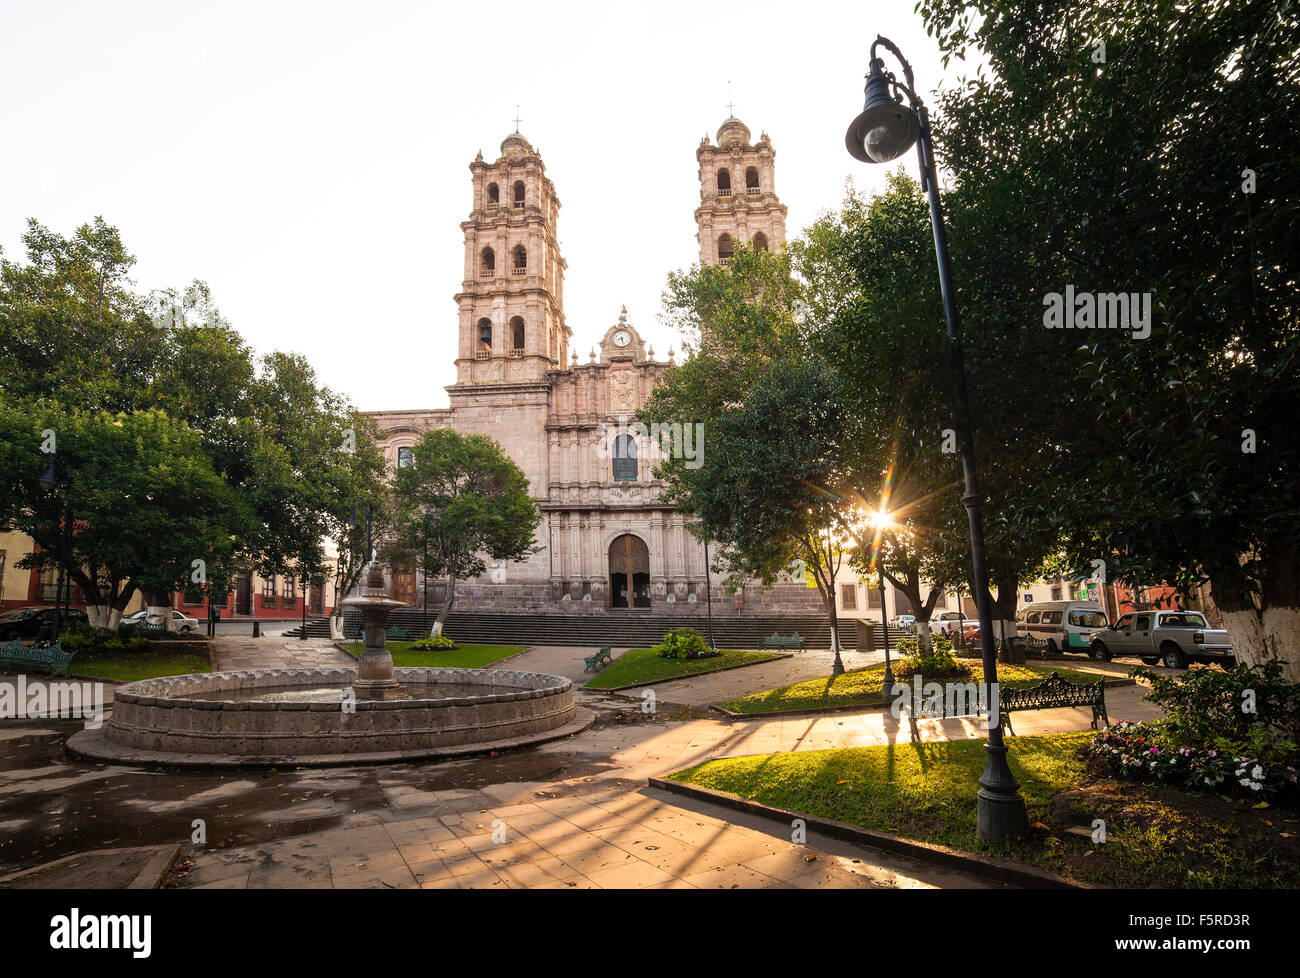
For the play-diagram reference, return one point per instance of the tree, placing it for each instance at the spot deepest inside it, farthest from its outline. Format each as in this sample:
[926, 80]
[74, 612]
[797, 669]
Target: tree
[465, 500]
[87, 358]
[767, 488]
[1087, 165]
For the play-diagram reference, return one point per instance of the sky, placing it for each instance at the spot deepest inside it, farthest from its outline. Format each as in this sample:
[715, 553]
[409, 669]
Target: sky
[310, 161]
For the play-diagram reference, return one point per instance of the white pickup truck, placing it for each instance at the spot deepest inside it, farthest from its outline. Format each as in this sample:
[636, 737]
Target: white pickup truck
[1174, 637]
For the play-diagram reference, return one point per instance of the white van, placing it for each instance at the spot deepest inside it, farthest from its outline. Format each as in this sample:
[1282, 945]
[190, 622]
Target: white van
[1065, 626]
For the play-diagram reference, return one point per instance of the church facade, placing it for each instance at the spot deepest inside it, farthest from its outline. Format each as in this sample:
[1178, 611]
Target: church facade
[606, 541]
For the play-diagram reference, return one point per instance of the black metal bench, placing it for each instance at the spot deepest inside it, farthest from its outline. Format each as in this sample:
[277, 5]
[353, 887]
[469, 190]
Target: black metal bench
[51, 657]
[1053, 693]
[605, 655]
[776, 641]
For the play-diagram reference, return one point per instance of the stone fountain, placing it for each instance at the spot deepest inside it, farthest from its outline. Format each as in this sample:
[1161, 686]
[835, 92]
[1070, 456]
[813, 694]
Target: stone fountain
[375, 679]
[333, 715]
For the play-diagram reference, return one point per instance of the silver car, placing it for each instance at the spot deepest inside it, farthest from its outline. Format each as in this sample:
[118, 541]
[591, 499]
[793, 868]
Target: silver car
[1175, 637]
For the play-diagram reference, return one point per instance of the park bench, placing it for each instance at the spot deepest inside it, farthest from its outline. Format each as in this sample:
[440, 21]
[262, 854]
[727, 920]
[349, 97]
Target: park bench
[51, 657]
[594, 662]
[397, 634]
[775, 641]
[1053, 693]
[151, 628]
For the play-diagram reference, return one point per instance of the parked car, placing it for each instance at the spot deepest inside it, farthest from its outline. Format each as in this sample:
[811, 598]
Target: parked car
[906, 623]
[1065, 626]
[1174, 637]
[28, 622]
[945, 622]
[180, 622]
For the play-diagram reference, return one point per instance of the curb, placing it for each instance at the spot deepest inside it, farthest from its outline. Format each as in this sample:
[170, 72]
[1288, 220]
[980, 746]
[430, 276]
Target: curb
[986, 867]
[689, 675]
[149, 878]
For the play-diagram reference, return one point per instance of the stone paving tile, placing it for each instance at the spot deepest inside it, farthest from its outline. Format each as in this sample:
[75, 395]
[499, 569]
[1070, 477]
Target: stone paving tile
[600, 830]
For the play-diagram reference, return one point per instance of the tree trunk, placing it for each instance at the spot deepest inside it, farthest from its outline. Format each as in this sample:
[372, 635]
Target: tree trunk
[158, 608]
[447, 600]
[1269, 631]
[838, 668]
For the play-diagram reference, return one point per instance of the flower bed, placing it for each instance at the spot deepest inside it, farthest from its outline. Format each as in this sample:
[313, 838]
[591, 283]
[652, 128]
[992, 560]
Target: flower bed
[1139, 752]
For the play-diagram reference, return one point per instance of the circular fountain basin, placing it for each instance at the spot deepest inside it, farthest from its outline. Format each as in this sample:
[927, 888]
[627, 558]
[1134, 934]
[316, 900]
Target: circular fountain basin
[304, 716]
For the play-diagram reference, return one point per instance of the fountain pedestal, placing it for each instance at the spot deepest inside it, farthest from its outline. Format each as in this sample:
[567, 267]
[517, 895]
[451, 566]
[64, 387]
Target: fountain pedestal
[375, 680]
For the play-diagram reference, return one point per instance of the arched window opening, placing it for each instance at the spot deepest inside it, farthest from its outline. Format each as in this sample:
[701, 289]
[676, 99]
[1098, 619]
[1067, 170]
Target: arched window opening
[724, 183]
[519, 194]
[493, 196]
[405, 457]
[760, 241]
[624, 459]
[725, 249]
[484, 339]
[520, 260]
[489, 266]
[517, 337]
[751, 180]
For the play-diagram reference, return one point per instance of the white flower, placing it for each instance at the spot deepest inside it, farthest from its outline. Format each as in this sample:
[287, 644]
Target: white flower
[1257, 772]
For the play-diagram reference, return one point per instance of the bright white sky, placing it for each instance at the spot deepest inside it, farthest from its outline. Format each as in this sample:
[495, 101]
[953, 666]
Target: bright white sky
[310, 160]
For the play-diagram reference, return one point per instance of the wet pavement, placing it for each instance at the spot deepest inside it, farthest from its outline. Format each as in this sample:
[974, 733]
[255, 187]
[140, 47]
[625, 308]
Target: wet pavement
[573, 813]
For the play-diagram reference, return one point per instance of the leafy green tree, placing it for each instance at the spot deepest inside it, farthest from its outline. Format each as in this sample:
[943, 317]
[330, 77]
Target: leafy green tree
[85, 355]
[768, 486]
[1161, 163]
[466, 501]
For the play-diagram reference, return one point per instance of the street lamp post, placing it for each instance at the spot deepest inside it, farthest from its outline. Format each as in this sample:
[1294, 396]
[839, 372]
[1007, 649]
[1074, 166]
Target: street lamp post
[708, 593]
[50, 481]
[884, 131]
[888, 687]
[424, 572]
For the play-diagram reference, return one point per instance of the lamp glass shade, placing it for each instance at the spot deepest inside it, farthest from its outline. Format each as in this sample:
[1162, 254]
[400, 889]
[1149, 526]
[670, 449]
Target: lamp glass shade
[49, 478]
[882, 133]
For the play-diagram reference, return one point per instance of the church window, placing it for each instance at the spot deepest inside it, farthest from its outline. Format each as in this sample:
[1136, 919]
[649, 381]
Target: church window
[517, 335]
[724, 183]
[493, 196]
[624, 459]
[520, 260]
[484, 336]
[519, 194]
[405, 457]
[760, 241]
[751, 180]
[725, 248]
[489, 265]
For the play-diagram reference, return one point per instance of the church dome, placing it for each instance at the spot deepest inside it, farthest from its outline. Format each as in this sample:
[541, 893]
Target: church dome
[733, 133]
[516, 147]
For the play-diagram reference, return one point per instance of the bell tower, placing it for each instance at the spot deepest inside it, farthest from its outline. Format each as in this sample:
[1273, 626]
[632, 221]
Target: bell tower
[738, 202]
[512, 327]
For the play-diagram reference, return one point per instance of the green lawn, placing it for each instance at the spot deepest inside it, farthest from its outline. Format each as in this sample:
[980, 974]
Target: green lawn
[465, 657]
[643, 666]
[863, 687]
[129, 666]
[1155, 835]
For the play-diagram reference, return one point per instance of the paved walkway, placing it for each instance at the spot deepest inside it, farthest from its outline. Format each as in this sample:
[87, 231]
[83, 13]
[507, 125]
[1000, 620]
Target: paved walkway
[701, 690]
[231, 652]
[574, 813]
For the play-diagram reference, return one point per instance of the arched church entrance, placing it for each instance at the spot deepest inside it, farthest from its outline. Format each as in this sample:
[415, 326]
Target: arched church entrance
[629, 572]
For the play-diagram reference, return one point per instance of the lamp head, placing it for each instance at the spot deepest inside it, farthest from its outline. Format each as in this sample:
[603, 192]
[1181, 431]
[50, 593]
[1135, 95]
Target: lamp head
[50, 477]
[885, 129]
